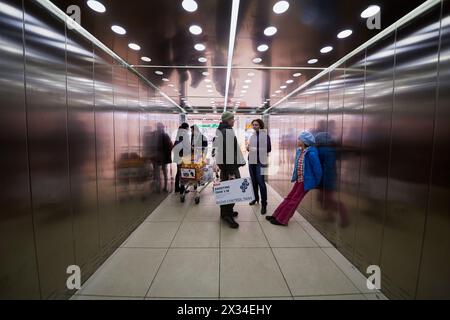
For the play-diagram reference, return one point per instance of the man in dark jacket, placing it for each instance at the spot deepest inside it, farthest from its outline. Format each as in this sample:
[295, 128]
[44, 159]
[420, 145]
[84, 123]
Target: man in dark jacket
[228, 158]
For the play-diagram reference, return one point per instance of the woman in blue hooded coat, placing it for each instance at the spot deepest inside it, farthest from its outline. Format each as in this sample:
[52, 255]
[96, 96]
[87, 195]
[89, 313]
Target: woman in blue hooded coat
[306, 176]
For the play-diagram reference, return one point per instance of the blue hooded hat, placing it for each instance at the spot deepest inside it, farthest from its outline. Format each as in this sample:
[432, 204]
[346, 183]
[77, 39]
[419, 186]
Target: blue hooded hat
[307, 138]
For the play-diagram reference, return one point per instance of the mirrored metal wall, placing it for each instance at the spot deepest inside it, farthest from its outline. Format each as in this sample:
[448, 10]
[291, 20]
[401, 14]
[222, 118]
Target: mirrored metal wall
[382, 120]
[79, 146]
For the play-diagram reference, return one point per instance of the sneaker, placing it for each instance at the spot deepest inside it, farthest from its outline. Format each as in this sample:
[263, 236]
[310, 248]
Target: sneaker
[233, 224]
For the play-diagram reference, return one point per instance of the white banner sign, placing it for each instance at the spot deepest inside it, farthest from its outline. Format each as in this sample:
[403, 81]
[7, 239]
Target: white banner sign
[233, 191]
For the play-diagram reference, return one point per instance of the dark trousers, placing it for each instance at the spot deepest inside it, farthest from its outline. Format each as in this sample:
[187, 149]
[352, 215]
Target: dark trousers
[258, 182]
[225, 173]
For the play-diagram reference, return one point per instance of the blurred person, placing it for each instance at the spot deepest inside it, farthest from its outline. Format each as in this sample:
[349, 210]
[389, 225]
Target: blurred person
[162, 156]
[328, 184]
[182, 134]
[259, 148]
[229, 159]
[198, 142]
[306, 176]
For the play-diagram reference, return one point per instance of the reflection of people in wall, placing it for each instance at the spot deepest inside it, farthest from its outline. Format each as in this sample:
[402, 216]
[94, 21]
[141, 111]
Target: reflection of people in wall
[328, 185]
[162, 156]
[181, 135]
[199, 143]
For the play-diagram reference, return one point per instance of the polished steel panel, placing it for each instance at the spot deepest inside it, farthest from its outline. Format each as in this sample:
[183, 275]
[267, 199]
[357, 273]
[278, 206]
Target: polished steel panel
[18, 268]
[411, 148]
[434, 281]
[332, 141]
[82, 153]
[104, 130]
[48, 151]
[375, 151]
[351, 148]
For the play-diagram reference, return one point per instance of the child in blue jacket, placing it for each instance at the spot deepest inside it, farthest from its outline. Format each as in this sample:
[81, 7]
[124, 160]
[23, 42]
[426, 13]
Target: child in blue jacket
[307, 175]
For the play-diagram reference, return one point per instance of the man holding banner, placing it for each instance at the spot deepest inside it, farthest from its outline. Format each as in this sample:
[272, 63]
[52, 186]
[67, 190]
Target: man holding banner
[229, 159]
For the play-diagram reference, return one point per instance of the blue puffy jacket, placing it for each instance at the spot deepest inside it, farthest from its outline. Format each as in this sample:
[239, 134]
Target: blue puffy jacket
[312, 170]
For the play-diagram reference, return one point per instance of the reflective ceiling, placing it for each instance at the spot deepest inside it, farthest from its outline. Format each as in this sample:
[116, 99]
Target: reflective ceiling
[264, 61]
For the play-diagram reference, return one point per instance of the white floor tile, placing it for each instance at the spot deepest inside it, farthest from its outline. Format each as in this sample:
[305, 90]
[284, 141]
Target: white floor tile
[337, 297]
[188, 273]
[153, 235]
[197, 234]
[203, 213]
[249, 234]
[250, 273]
[292, 236]
[128, 273]
[309, 271]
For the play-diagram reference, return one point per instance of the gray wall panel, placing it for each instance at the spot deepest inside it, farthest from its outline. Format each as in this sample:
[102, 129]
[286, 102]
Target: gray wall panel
[434, 282]
[375, 153]
[408, 188]
[18, 269]
[47, 137]
[82, 153]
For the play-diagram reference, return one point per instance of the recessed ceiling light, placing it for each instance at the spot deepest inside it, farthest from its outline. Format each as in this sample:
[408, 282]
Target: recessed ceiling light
[290, 81]
[209, 86]
[146, 59]
[96, 6]
[263, 47]
[202, 59]
[326, 49]
[210, 91]
[278, 91]
[118, 30]
[281, 7]
[274, 95]
[298, 74]
[159, 73]
[345, 34]
[205, 74]
[257, 60]
[370, 11]
[171, 85]
[189, 5]
[134, 46]
[195, 30]
[165, 80]
[245, 87]
[200, 47]
[248, 81]
[243, 91]
[270, 31]
[251, 74]
[207, 80]
[283, 87]
[313, 61]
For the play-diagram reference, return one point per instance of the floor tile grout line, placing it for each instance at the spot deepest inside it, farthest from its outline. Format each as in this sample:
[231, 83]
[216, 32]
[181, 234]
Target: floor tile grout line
[324, 252]
[274, 256]
[165, 255]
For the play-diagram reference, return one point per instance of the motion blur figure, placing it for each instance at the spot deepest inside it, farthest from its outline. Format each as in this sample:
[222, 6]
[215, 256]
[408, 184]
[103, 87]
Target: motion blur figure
[182, 137]
[328, 185]
[159, 147]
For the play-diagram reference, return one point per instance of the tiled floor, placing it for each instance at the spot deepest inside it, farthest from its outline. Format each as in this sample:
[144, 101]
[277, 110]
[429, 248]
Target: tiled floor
[184, 251]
